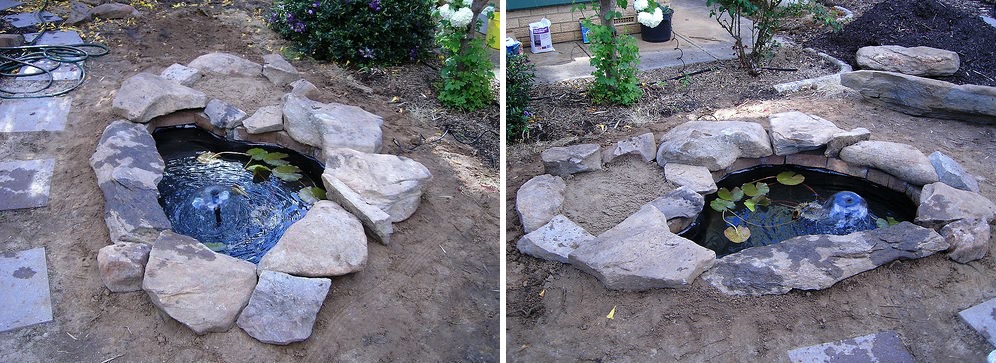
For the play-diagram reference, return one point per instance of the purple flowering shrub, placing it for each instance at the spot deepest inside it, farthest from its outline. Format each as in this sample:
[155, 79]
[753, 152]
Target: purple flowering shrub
[380, 32]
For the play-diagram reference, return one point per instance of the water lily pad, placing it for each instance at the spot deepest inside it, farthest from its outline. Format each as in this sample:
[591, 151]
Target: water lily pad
[753, 190]
[882, 222]
[311, 195]
[737, 234]
[257, 153]
[749, 203]
[259, 172]
[275, 159]
[721, 205]
[215, 246]
[790, 178]
[287, 173]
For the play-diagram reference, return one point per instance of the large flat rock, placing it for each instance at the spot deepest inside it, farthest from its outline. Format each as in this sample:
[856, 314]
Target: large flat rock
[128, 169]
[881, 347]
[904, 161]
[199, 288]
[941, 204]
[951, 173]
[389, 182]
[982, 318]
[539, 200]
[914, 61]
[34, 114]
[641, 253]
[696, 178]
[643, 145]
[567, 160]
[920, 96]
[331, 125]
[328, 241]
[25, 183]
[24, 290]
[555, 240]
[145, 96]
[283, 308]
[375, 220]
[713, 144]
[794, 131]
[818, 261]
[226, 64]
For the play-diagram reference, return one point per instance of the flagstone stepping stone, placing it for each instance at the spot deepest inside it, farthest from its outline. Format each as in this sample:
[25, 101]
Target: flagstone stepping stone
[915, 61]
[539, 200]
[567, 160]
[266, 119]
[201, 289]
[145, 96]
[794, 131]
[226, 64]
[182, 74]
[696, 178]
[816, 262]
[904, 161]
[224, 115]
[713, 144]
[25, 183]
[643, 145]
[641, 253]
[24, 20]
[555, 240]
[128, 169]
[34, 114]
[24, 289]
[67, 37]
[982, 318]
[951, 173]
[328, 241]
[7, 4]
[278, 70]
[283, 308]
[389, 182]
[941, 204]
[331, 125]
[881, 347]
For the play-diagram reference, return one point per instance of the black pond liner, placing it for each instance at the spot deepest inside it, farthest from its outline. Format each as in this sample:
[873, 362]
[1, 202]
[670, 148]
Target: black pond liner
[707, 229]
[244, 226]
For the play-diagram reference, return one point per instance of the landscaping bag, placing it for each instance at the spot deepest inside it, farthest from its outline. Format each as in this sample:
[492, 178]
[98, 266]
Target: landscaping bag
[540, 39]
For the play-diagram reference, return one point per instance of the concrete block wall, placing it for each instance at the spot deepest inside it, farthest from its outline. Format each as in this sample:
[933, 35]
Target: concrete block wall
[564, 24]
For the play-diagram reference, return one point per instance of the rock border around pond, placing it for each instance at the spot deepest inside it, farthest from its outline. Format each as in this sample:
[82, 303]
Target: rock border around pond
[722, 147]
[182, 277]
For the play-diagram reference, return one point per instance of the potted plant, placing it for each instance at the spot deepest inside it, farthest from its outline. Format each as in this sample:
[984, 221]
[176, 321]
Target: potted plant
[655, 20]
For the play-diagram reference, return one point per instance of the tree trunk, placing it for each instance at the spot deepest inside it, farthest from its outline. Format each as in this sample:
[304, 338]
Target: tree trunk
[606, 8]
[476, 7]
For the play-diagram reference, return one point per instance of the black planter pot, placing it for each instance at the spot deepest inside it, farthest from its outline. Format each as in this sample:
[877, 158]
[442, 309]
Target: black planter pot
[660, 34]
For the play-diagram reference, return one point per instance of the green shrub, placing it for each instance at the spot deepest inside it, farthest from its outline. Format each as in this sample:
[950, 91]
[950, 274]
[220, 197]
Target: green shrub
[380, 32]
[614, 56]
[519, 74]
[466, 72]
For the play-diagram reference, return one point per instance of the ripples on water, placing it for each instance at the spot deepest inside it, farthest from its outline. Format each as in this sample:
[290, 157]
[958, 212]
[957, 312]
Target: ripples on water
[253, 218]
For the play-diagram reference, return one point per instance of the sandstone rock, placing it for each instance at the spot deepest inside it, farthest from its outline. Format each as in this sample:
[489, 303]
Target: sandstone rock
[223, 115]
[199, 288]
[555, 240]
[328, 241]
[374, 219]
[145, 95]
[122, 265]
[915, 61]
[128, 169]
[818, 261]
[845, 139]
[78, 13]
[303, 88]
[713, 144]
[11, 40]
[539, 200]
[681, 206]
[182, 74]
[564, 161]
[643, 145]
[389, 182]
[331, 125]
[641, 253]
[919, 96]
[283, 308]
[227, 65]
[278, 70]
[114, 11]
[266, 119]
[969, 239]
[794, 131]
[941, 204]
[903, 161]
[951, 173]
[696, 178]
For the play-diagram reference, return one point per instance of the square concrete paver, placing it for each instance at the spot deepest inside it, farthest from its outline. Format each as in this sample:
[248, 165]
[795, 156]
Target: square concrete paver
[884, 347]
[55, 38]
[982, 318]
[34, 114]
[25, 183]
[22, 20]
[7, 4]
[24, 290]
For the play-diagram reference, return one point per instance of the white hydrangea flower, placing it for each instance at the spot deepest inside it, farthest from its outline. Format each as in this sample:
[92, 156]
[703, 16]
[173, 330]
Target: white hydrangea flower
[641, 5]
[651, 20]
[462, 17]
[658, 17]
[445, 12]
[467, 3]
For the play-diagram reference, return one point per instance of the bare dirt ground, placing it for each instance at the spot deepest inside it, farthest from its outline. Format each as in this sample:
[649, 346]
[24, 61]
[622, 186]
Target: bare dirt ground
[920, 299]
[432, 295]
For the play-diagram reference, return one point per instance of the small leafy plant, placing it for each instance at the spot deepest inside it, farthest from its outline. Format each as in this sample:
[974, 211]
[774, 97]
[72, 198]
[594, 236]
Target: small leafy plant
[519, 76]
[264, 164]
[466, 71]
[614, 56]
[756, 193]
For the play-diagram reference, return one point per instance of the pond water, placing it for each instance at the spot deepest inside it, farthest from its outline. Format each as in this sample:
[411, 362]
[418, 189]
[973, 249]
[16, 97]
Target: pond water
[219, 203]
[826, 202]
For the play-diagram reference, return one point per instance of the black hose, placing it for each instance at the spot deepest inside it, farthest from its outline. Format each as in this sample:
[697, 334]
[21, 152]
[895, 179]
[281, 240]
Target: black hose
[15, 59]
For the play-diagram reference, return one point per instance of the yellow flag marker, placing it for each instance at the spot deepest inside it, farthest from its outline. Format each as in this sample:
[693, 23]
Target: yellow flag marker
[612, 314]
[542, 292]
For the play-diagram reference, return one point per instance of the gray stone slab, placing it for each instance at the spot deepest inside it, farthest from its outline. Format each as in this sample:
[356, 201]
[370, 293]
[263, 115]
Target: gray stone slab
[34, 114]
[982, 318]
[989, 20]
[55, 38]
[57, 72]
[23, 20]
[885, 347]
[24, 290]
[25, 183]
[7, 4]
